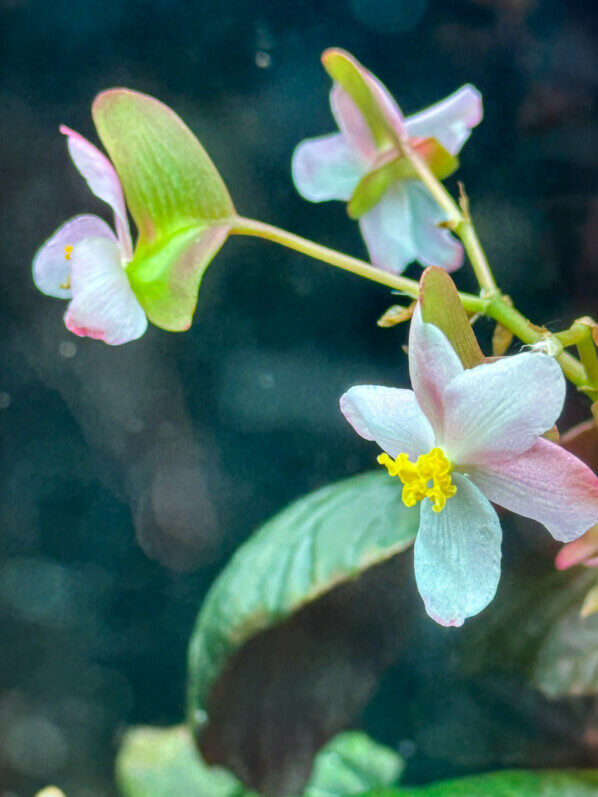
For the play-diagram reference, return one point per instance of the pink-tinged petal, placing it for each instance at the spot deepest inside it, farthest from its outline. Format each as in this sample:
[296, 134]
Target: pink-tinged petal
[449, 121]
[387, 230]
[326, 168]
[547, 484]
[351, 123]
[457, 555]
[389, 416]
[497, 410]
[102, 179]
[434, 246]
[583, 549]
[52, 262]
[433, 364]
[103, 305]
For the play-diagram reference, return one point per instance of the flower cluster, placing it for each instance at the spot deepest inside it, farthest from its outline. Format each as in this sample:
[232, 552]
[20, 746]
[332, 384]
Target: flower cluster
[403, 225]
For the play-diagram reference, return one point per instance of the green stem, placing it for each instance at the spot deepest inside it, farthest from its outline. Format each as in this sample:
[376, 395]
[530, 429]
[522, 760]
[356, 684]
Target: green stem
[492, 306]
[410, 287]
[587, 354]
[458, 218]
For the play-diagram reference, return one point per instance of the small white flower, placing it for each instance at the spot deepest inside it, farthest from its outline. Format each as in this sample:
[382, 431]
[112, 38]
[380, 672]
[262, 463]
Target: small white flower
[462, 438]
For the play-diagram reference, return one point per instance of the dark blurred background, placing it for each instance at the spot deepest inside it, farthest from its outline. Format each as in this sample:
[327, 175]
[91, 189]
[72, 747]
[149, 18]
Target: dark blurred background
[130, 474]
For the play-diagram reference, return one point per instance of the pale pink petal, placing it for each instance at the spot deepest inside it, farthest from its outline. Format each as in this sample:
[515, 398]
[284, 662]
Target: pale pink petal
[433, 364]
[497, 410]
[583, 549]
[103, 305]
[52, 262]
[547, 484]
[387, 230]
[434, 246]
[351, 123]
[457, 555]
[102, 179]
[389, 416]
[326, 168]
[449, 121]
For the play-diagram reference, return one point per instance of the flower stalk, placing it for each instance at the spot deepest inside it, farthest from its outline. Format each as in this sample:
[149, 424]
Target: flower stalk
[491, 305]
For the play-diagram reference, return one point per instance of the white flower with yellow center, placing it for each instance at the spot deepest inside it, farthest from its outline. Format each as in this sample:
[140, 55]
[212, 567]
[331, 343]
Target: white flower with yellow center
[461, 439]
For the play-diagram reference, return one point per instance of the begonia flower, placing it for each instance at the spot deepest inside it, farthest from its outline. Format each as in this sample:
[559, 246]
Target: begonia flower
[461, 439]
[403, 224]
[85, 261]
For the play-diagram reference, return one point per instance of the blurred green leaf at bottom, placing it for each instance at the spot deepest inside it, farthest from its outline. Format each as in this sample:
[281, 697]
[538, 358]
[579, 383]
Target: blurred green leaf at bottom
[510, 783]
[350, 764]
[163, 762]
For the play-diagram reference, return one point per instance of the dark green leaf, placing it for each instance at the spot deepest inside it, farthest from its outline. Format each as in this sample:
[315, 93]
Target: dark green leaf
[537, 628]
[320, 541]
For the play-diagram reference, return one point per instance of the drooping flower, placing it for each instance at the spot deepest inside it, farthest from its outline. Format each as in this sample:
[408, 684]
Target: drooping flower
[461, 439]
[581, 440]
[402, 226]
[85, 261]
[581, 551]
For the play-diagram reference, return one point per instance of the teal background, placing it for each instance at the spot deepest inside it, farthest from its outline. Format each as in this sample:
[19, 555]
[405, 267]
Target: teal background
[130, 475]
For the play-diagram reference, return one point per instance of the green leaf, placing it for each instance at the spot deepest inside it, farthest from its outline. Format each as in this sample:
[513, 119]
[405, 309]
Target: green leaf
[177, 199]
[350, 764]
[320, 541]
[567, 661]
[510, 783]
[355, 80]
[162, 762]
[441, 306]
[538, 629]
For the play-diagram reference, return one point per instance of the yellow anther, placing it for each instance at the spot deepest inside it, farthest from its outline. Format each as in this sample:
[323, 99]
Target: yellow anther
[66, 285]
[67, 251]
[429, 477]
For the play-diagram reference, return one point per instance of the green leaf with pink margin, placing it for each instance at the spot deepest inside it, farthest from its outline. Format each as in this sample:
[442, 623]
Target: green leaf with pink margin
[357, 81]
[441, 306]
[322, 540]
[177, 198]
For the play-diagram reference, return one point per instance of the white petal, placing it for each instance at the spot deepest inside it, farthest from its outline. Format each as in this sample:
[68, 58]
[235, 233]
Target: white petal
[497, 410]
[326, 168]
[433, 364]
[389, 416]
[104, 305]
[449, 121]
[457, 555]
[434, 245]
[103, 181]
[388, 230]
[548, 484]
[51, 267]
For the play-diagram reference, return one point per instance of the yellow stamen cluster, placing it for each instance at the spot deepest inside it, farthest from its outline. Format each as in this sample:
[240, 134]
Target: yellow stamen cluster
[67, 251]
[432, 467]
